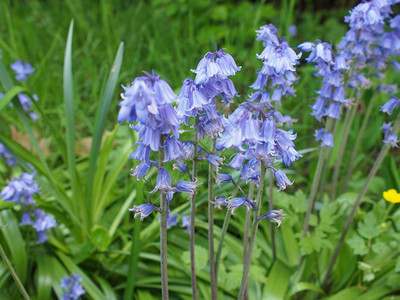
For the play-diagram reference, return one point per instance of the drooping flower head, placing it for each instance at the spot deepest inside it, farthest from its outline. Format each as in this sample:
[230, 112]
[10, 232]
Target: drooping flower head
[274, 215]
[22, 70]
[72, 287]
[10, 160]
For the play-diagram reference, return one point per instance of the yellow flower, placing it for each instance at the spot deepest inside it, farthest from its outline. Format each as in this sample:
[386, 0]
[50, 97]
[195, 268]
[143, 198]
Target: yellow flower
[392, 196]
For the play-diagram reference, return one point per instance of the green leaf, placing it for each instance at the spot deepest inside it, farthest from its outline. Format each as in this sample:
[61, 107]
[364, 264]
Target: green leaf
[10, 95]
[368, 228]
[101, 118]
[349, 293]
[304, 286]
[68, 86]
[99, 237]
[233, 277]
[358, 245]
[278, 281]
[397, 267]
[201, 257]
[379, 247]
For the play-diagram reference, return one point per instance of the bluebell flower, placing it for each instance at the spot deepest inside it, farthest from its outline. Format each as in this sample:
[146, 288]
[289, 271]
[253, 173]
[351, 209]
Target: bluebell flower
[292, 30]
[327, 140]
[235, 203]
[173, 149]
[43, 223]
[268, 34]
[72, 287]
[221, 177]
[21, 190]
[215, 65]
[274, 215]
[142, 210]
[26, 219]
[140, 170]
[186, 222]
[390, 105]
[10, 160]
[163, 181]
[181, 167]
[282, 181]
[186, 187]
[391, 139]
[219, 202]
[22, 70]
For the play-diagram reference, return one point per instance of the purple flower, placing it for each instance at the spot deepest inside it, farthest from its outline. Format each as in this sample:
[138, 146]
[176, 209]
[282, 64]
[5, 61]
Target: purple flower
[10, 160]
[142, 210]
[172, 220]
[282, 181]
[235, 203]
[186, 222]
[219, 202]
[215, 65]
[274, 215]
[72, 287]
[22, 70]
[21, 190]
[163, 182]
[140, 170]
[391, 139]
[43, 223]
[223, 178]
[390, 105]
[186, 187]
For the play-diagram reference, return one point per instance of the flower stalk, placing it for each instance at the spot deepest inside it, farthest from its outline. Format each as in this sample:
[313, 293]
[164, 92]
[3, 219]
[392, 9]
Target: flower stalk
[247, 260]
[14, 274]
[364, 189]
[211, 180]
[163, 229]
[193, 213]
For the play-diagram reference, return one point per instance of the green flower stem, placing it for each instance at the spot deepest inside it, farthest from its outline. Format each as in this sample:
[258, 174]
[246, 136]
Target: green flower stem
[316, 180]
[271, 207]
[14, 274]
[364, 189]
[360, 136]
[134, 254]
[328, 155]
[163, 229]
[222, 236]
[343, 141]
[253, 234]
[211, 180]
[246, 232]
[193, 214]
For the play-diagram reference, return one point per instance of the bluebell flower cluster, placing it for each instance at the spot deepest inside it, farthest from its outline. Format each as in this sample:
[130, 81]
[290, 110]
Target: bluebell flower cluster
[21, 191]
[72, 287]
[10, 160]
[22, 70]
[197, 98]
[331, 97]
[252, 127]
[147, 104]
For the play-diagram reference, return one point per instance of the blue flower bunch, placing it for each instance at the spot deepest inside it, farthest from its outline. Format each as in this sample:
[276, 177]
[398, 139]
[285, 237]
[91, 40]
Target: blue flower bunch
[365, 47]
[10, 160]
[22, 71]
[148, 104]
[72, 287]
[252, 128]
[21, 191]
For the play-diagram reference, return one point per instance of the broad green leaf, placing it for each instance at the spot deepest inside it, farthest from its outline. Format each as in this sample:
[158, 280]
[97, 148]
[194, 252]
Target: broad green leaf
[201, 257]
[278, 281]
[101, 118]
[99, 237]
[379, 247]
[368, 228]
[349, 293]
[304, 286]
[7, 98]
[358, 245]
[233, 277]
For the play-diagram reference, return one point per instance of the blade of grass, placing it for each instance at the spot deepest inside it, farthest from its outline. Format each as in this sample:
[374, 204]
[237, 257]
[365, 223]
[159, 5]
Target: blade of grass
[78, 204]
[101, 119]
